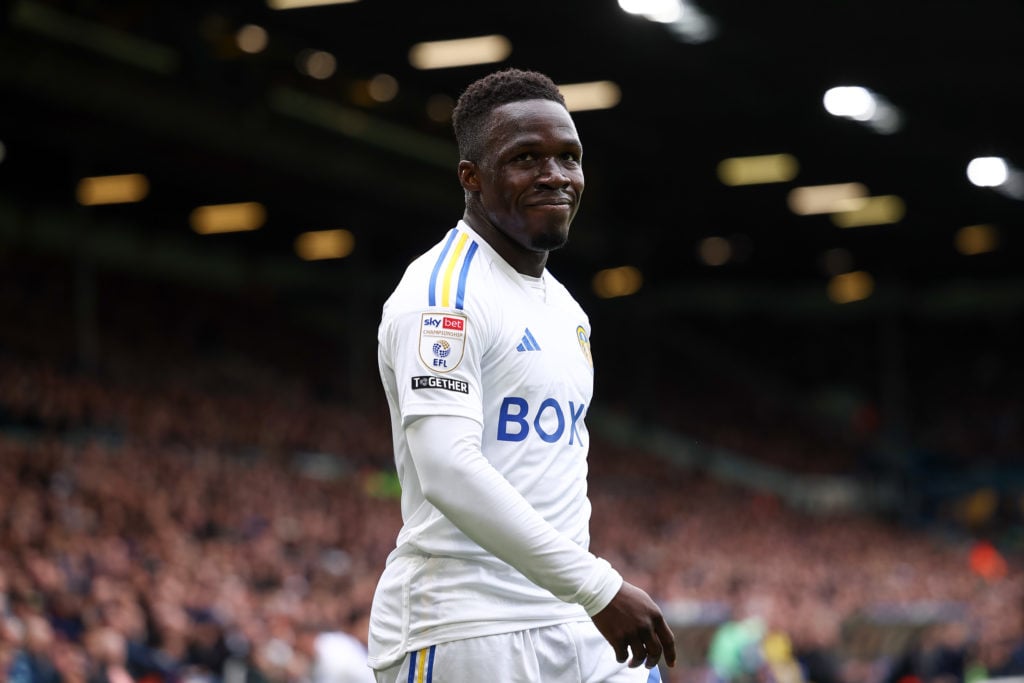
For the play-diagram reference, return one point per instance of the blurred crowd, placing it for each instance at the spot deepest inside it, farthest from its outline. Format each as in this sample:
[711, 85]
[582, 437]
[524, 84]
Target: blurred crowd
[173, 562]
[202, 500]
[809, 580]
[170, 560]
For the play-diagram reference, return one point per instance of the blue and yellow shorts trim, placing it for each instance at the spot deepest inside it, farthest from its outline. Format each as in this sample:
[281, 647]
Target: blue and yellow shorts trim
[421, 665]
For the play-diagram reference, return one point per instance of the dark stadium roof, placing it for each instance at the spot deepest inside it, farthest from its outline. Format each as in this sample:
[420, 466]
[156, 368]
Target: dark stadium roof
[161, 88]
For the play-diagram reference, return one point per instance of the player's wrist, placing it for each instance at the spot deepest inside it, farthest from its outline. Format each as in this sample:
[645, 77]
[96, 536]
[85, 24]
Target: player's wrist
[600, 587]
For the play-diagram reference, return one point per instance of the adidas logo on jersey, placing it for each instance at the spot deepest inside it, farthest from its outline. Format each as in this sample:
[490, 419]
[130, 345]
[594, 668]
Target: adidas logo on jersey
[528, 343]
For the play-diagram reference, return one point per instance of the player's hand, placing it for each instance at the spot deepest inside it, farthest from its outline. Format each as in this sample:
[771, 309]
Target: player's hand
[632, 620]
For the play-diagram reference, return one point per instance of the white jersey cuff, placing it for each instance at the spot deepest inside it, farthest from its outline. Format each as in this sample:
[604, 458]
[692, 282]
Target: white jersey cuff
[601, 586]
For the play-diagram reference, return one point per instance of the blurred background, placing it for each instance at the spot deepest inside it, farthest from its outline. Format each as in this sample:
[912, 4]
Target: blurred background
[799, 248]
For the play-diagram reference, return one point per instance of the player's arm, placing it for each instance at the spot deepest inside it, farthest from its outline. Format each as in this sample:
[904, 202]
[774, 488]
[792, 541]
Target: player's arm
[459, 481]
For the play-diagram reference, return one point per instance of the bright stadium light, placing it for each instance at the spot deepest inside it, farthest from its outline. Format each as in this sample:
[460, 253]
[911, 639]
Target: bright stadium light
[661, 11]
[445, 54]
[852, 102]
[999, 174]
[126, 188]
[756, 170]
[681, 17]
[297, 4]
[212, 219]
[880, 210]
[318, 245]
[860, 104]
[810, 200]
[588, 96]
[988, 171]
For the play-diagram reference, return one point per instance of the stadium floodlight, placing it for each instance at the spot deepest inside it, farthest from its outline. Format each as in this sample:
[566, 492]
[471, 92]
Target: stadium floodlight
[851, 101]
[682, 18]
[445, 54]
[661, 11]
[318, 245]
[757, 170]
[589, 96]
[126, 188]
[999, 174]
[880, 210]
[860, 104]
[988, 171]
[298, 4]
[810, 200]
[212, 219]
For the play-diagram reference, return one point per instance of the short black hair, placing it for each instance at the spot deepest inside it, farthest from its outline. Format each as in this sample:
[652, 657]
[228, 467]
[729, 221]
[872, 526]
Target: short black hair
[482, 97]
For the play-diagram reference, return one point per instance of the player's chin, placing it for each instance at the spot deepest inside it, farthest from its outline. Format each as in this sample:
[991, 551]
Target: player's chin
[550, 241]
[552, 237]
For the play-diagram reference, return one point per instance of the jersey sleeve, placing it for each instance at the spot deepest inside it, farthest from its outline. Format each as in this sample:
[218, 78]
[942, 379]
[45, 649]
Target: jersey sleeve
[435, 354]
[460, 482]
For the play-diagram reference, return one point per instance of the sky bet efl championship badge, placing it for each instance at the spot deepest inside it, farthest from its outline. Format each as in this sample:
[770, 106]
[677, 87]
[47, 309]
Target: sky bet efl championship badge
[442, 340]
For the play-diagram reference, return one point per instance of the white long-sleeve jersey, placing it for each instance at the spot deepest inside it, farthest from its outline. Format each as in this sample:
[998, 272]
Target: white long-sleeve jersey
[488, 376]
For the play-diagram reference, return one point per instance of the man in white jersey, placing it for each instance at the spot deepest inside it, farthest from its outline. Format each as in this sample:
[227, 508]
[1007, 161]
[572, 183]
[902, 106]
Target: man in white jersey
[485, 360]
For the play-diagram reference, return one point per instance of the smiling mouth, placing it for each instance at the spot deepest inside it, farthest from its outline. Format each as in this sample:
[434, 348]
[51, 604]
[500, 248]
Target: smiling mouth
[553, 203]
[552, 206]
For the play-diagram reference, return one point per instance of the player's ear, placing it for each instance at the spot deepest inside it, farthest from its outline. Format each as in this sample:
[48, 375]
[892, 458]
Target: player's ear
[469, 176]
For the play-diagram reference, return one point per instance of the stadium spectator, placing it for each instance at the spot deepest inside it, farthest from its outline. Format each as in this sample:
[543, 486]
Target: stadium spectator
[173, 506]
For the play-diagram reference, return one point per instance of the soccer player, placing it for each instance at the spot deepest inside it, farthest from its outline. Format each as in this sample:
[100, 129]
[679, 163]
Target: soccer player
[485, 359]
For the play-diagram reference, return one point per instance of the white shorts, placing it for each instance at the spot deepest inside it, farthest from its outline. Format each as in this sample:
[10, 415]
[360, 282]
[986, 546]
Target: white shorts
[565, 653]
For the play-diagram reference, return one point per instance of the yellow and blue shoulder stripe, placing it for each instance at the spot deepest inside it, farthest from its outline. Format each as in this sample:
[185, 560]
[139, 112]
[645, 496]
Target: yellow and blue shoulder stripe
[457, 254]
[421, 665]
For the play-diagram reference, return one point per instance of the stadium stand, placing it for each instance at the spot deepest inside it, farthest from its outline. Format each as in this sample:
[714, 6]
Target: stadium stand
[190, 502]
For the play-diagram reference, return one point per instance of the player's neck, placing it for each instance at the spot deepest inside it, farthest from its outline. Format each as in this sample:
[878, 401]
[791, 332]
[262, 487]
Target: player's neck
[523, 260]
